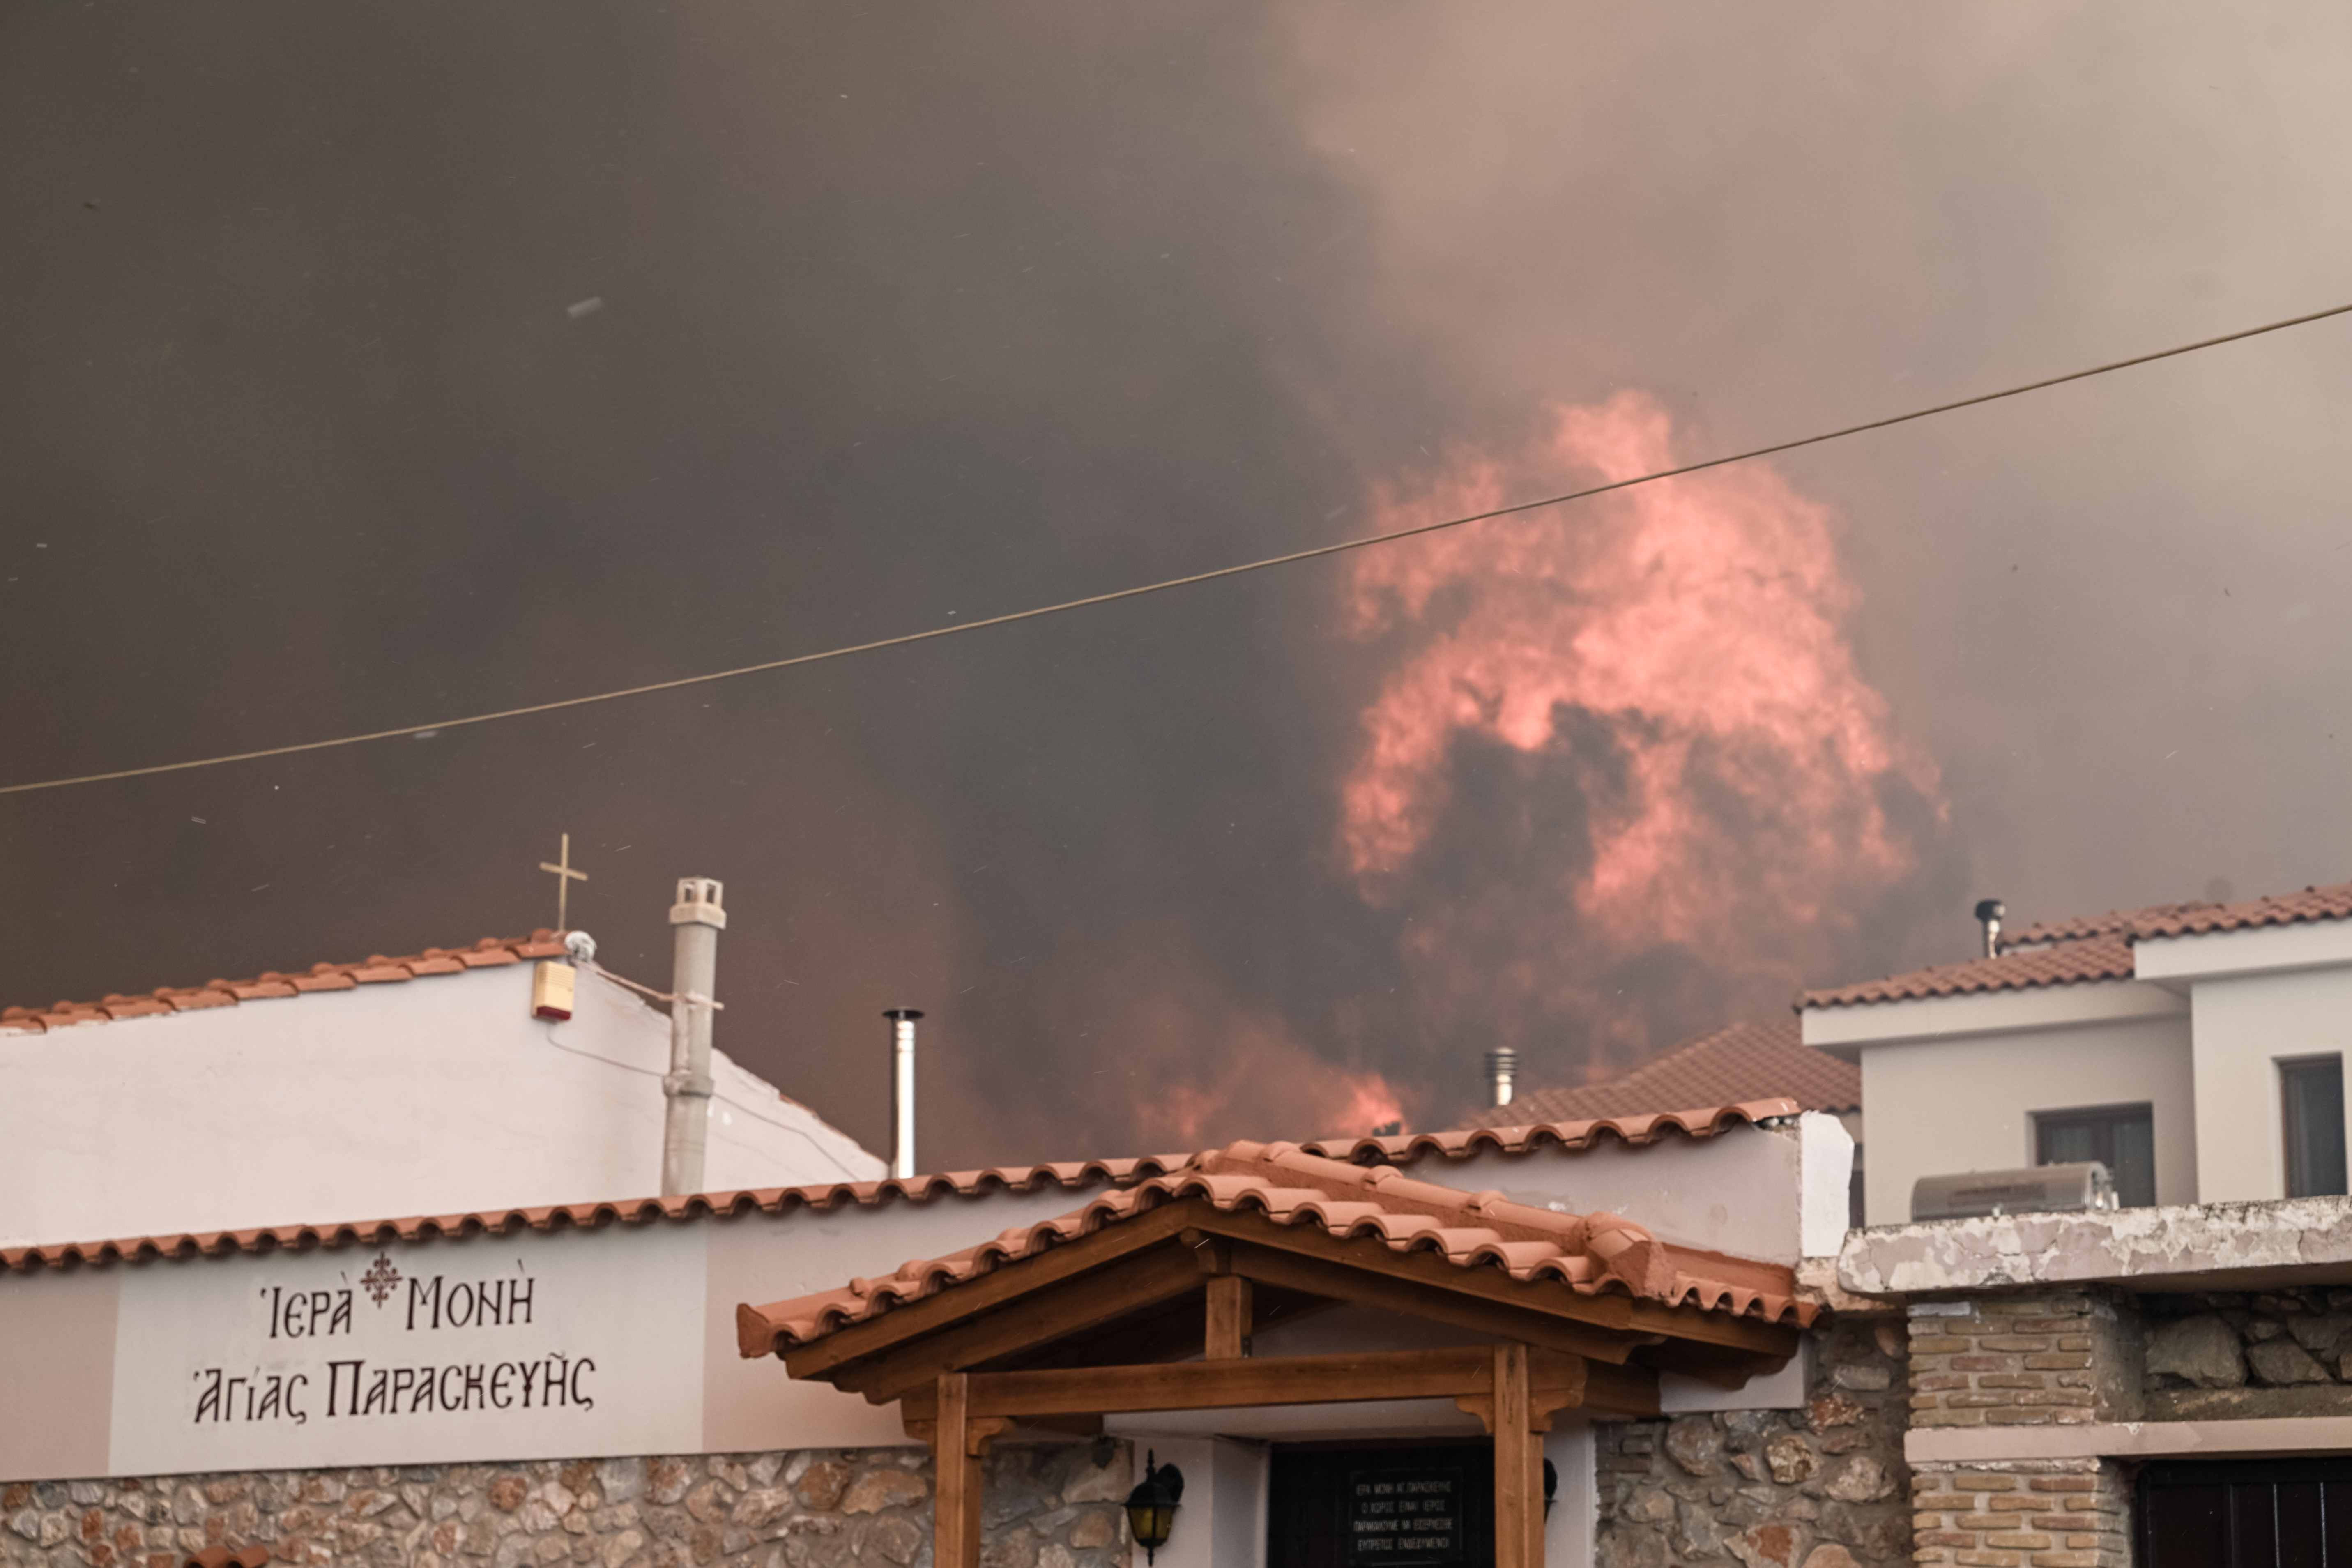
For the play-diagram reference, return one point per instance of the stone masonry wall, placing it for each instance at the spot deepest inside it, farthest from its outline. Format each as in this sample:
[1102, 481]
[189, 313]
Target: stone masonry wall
[2049, 1513]
[1823, 1486]
[2219, 1356]
[2027, 1360]
[1047, 1506]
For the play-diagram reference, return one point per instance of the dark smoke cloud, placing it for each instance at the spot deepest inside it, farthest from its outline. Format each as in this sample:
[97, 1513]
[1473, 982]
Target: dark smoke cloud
[909, 319]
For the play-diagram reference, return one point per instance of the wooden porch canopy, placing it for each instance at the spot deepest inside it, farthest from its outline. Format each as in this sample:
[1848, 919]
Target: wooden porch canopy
[1100, 1311]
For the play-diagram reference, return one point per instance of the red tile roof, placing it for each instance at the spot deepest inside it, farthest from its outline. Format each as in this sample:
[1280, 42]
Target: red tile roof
[376, 970]
[1743, 1062]
[1635, 1131]
[1288, 1186]
[2312, 904]
[591, 1216]
[2090, 947]
[2061, 964]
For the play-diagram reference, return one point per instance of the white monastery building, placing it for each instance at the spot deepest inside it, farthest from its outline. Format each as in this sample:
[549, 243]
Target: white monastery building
[437, 1083]
[1627, 1340]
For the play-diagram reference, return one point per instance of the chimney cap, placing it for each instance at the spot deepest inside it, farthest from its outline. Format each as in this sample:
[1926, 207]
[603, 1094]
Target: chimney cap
[907, 1014]
[1991, 909]
[700, 903]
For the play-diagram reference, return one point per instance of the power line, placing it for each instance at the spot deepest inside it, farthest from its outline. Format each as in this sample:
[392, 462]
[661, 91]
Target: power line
[1316, 553]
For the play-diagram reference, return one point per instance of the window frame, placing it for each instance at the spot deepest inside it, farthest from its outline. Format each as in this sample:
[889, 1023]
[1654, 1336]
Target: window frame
[2112, 1113]
[2290, 1138]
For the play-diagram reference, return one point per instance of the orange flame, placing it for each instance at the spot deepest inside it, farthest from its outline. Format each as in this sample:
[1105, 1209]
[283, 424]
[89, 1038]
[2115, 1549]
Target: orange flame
[1699, 621]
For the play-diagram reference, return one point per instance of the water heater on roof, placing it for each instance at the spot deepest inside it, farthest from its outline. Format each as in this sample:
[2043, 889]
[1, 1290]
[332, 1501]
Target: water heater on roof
[2037, 1189]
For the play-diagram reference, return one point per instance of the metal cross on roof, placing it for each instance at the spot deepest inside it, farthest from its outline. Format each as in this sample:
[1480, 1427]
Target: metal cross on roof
[564, 876]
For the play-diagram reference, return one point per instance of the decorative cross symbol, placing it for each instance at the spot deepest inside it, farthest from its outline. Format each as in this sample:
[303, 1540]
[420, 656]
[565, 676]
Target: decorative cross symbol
[379, 1278]
[564, 876]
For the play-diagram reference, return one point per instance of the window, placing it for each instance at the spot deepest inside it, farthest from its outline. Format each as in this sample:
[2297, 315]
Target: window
[2311, 1096]
[2120, 1137]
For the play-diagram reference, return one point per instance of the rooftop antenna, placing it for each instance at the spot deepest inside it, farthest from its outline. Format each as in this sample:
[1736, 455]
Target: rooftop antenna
[564, 876]
[1990, 913]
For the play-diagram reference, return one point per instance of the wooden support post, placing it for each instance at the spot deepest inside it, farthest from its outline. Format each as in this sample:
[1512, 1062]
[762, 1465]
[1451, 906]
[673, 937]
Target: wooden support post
[1519, 1464]
[955, 1509]
[1229, 1318]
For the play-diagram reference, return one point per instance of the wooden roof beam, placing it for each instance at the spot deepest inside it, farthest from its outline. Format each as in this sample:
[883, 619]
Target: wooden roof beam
[1479, 1314]
[1467, 1372]
[1008, 1282]
[1073, 1306]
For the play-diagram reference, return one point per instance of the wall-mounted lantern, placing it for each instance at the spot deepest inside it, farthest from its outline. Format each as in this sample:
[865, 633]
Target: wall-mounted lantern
[1151, 1506]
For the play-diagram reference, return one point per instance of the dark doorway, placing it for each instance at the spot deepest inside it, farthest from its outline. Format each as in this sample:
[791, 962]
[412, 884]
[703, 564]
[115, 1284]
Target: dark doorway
[1365, 1505]
[2266, 1513]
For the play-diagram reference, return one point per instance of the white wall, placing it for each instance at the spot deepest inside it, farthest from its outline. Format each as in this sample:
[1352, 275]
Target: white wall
[759, 1259]
[1571, 1531]
[1966, 1101]
[438, 1095]
[2245, 1025]
[1740, 1191]
[1222, 1521]
[102, 1370]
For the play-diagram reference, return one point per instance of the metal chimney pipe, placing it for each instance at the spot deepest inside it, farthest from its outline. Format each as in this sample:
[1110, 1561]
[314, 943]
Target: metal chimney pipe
[1502, 1068]
[902, 1089]
[1990, 913]
[699, 917]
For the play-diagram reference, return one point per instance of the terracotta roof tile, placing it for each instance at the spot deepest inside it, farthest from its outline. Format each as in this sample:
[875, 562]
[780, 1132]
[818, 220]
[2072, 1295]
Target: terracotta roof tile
[1466, 1142]
[2089, 948]
[2064, 964]
[2312, 904]
[590, 1216]
[1635, 1131]
[378, 970]
[2114, 923]
[1290, 1186]
[2333, 902]
[1744, 1062]
[189, 998]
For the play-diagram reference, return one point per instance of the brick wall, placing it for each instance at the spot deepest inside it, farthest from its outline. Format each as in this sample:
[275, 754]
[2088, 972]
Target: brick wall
[2052, 1513]
[2032, 1360]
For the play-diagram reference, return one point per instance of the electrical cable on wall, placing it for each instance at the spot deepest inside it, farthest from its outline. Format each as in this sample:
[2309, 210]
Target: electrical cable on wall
[1317, 552]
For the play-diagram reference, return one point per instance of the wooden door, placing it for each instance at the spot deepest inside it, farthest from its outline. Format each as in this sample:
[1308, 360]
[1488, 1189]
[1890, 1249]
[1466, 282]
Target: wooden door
[2266, 1513]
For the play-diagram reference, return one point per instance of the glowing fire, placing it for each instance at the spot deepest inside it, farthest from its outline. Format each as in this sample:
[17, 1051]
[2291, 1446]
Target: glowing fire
[1296, 1096]
[1697, 622]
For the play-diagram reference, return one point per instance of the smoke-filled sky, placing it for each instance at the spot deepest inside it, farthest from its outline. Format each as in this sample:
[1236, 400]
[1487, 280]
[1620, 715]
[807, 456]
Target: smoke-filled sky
[914, 315]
